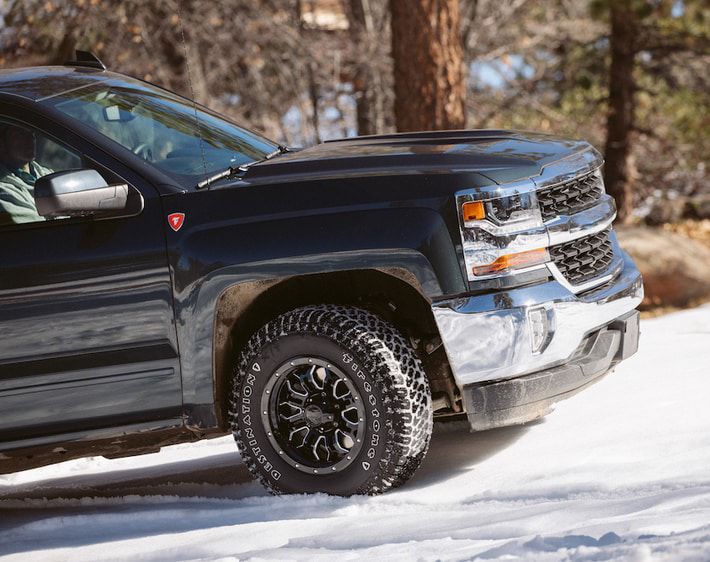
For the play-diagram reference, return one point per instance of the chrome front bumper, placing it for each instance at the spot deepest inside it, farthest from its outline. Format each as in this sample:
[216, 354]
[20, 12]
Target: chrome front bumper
[488, 337]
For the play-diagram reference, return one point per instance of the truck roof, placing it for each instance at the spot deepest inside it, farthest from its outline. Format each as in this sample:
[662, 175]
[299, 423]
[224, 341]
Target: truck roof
[40, 82]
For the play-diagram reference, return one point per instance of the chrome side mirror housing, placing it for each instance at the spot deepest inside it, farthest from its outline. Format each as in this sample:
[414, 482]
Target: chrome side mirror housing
[75, 193]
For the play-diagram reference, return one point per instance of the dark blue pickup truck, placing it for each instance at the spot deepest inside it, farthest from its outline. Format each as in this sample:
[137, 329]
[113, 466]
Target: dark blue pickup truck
[168, 276]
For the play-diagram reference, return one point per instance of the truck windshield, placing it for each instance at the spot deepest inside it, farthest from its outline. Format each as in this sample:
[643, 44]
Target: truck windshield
[161, 128]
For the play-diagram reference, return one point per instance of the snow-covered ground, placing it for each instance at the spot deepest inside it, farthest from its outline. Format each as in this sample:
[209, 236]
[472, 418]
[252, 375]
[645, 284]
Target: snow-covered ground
[618, 472]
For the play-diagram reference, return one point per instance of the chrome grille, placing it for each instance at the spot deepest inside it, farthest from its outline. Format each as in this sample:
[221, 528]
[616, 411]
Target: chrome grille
[570, 197]
[585, 258]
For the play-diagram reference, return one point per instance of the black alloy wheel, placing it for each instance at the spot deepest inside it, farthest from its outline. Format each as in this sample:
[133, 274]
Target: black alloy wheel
[314, 414]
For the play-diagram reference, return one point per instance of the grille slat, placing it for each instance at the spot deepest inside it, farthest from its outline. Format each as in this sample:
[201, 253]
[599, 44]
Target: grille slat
[584, 259]
[570, 197]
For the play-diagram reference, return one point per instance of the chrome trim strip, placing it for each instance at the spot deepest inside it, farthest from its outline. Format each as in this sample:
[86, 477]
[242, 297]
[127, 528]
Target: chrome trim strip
[495, 191]
[511, 272]
[522, 228]
[569, 168]
[612, 271]
[596, 172]
[566, 228]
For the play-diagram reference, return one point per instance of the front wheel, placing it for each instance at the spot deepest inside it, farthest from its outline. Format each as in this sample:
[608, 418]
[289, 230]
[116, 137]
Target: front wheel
[330, 399]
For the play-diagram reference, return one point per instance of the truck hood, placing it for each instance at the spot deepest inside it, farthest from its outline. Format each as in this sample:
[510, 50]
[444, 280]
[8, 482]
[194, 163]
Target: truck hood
[501, 156]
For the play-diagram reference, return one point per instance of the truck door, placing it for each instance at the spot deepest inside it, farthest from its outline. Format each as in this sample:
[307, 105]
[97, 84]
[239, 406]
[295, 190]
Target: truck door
[87, 333]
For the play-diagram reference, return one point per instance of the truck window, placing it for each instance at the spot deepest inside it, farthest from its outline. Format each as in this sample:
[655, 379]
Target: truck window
[25, 156]
[161, 128]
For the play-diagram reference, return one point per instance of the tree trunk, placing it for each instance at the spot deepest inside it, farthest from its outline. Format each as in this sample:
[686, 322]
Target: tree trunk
[313, 92]
[367, 83]
[428, 65]
[618, 174]
[314, 96]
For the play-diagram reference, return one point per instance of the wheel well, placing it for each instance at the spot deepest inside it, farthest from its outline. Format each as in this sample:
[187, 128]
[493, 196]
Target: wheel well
[393, 294]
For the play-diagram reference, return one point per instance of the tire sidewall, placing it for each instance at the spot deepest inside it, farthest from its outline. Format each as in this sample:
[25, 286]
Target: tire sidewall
[277, 474]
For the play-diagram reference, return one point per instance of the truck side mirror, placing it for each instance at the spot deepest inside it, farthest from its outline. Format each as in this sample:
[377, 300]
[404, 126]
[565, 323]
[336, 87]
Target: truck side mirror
[78, 193]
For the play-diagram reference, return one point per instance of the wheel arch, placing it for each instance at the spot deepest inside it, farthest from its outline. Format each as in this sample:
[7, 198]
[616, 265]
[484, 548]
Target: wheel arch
[392, 293]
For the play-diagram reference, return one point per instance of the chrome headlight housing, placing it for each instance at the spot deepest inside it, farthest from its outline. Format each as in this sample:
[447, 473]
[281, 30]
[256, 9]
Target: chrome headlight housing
[502, 231]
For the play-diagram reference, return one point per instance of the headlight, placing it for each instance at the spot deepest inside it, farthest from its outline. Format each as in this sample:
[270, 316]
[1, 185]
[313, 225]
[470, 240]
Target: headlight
[501, 234]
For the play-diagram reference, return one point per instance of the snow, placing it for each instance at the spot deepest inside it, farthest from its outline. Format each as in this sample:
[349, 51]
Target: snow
[619, 472]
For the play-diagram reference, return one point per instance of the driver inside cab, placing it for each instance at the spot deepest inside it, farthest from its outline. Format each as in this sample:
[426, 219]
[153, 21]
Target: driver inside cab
[18, 173]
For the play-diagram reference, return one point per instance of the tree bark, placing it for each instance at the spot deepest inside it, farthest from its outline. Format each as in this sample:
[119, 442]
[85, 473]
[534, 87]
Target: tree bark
[618, 175]
[367, 83]
[428, 65]
[313, 92]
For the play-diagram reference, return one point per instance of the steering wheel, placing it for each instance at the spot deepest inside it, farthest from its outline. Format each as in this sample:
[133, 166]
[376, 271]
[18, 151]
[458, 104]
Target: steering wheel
[144, 151]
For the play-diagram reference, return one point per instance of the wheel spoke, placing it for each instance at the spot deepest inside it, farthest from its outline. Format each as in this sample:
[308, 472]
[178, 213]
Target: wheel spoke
[315, 448]
[342, 441]
[335, 389]
[297, 415]
[314, 378]
[345, 417]
[305, 435]
[296, 393]
[321, 375]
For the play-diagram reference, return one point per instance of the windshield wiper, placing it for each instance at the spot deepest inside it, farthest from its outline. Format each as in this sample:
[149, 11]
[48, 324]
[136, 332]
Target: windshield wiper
[232, 170]
[280, 150]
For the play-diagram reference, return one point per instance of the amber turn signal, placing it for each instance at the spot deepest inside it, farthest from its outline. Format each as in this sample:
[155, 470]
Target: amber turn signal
[514, 261]
[473, 211]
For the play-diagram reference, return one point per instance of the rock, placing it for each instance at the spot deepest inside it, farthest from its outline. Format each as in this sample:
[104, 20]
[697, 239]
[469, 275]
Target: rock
[675, 269]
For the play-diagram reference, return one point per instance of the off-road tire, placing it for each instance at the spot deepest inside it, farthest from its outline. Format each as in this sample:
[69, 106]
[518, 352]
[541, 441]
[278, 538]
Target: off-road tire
[380, 365]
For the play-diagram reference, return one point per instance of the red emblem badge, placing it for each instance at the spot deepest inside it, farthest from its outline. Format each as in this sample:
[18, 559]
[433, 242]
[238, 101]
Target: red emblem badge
[175, 220]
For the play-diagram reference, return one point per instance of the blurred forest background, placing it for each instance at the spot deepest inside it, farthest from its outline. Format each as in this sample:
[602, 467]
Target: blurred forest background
[630, 76]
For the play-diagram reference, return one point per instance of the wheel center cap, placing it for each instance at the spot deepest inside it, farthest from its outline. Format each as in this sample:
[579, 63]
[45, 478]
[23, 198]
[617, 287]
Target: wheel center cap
[315, 415]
